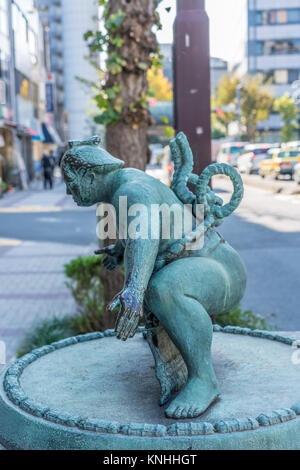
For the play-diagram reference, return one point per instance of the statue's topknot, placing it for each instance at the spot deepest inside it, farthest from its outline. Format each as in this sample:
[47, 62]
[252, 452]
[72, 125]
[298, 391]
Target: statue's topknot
[95, 140]
[87, 154]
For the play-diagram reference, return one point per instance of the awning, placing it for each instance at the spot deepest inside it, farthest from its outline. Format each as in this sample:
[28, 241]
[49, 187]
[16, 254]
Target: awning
[34, 130]
[50, 135]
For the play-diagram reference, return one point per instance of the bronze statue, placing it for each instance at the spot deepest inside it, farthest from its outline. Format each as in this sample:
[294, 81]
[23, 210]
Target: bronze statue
[175, 287]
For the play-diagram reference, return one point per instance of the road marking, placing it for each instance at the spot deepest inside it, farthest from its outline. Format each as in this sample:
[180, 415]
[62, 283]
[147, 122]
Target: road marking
[10, 242]
[28, 209]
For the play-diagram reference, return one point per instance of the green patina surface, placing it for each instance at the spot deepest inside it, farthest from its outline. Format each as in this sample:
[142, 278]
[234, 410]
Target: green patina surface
[165, 279]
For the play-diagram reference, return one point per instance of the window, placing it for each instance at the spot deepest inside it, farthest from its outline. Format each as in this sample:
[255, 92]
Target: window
[281, 77]
[293, 76]
[270, 17]
[258, 18]
[285, 46]
[294, 16]
[282, 16]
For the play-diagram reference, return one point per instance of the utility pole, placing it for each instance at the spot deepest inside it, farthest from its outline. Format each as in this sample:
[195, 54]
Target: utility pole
[192, 79]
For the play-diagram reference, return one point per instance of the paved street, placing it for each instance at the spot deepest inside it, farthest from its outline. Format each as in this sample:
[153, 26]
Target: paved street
[40, 231]
[266, 232]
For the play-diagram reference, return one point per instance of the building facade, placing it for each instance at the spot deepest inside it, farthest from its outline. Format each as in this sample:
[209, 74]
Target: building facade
[274, 46]
[218, 68]
[22, 80]
[78, 17]
[51, 17]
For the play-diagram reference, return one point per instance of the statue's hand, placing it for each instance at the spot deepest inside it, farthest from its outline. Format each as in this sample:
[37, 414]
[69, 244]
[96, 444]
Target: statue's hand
[113, 257]
[130, 305]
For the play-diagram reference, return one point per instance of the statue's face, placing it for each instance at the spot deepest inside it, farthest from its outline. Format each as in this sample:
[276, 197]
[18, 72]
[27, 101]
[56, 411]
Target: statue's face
[81, 185]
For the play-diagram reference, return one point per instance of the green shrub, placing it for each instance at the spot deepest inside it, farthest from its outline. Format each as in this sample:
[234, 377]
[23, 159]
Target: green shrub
[87, 290]
[244, 319]
[47, 331]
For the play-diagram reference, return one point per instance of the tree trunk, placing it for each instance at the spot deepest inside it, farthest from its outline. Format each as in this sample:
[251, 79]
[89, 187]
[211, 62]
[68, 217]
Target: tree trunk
[127, 139]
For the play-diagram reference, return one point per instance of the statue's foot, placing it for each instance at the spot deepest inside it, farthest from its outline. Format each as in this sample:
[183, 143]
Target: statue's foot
[193, 400]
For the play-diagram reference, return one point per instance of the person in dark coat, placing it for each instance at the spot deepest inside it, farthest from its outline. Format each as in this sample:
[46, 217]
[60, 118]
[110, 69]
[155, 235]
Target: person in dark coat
[47, 165]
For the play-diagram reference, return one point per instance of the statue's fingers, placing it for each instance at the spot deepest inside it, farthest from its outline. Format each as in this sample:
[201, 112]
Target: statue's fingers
[116, 303]
[122, 324]
[103, 251]
[129, 327]
[122, 316]
[134, 327]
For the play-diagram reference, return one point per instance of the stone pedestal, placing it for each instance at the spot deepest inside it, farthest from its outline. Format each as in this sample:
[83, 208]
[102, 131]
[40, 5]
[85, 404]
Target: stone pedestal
[94, 392]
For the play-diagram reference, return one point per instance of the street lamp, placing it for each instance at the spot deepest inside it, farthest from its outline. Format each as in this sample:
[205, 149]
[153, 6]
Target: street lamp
[192, 78]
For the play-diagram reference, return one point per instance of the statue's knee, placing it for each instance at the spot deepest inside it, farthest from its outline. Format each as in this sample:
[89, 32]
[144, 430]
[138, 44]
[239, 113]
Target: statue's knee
[157, 293]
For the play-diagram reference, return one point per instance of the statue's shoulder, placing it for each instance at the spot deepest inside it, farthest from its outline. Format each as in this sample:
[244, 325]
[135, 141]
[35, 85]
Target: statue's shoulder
[135, 184]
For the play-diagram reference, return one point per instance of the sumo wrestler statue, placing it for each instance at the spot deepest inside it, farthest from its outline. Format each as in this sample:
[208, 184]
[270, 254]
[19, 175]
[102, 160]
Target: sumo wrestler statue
[173, 286]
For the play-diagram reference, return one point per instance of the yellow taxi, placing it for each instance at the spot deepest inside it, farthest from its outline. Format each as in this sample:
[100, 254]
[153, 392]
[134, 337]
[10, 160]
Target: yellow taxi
[279, 162]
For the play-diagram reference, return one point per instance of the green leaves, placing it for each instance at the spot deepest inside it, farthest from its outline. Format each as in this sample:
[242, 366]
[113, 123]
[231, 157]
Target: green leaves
[115, 63]
[109, 116]
[169, 132]
[114, 21]
[117, 41]
[88, 35]
[164, 119]
[111, 41]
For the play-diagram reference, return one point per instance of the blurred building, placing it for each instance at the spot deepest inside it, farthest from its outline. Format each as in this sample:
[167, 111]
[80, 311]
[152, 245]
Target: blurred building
[274, 46]
[218, 68]
[22, 81]
[78, 17]
[51, 17]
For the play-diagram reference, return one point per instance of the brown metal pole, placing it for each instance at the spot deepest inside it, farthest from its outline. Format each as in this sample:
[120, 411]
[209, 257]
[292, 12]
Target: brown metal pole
[192, 79]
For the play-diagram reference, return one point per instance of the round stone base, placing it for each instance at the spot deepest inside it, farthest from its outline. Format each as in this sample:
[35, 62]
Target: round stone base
[95, 392]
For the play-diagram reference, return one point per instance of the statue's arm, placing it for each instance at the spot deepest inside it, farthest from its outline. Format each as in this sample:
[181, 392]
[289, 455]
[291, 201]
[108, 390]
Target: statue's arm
[139, 260]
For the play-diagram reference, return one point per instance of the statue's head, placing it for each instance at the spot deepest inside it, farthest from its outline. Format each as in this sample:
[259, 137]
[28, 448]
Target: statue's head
[83, 166]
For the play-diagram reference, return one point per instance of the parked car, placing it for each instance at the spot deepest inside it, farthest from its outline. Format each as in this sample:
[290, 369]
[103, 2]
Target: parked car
[294, 144]
[280, 162]
[230, 152]
[297, 172]
[248, 162]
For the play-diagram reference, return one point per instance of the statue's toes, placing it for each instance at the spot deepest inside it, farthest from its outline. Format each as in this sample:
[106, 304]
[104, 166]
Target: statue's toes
[197, 412]
[184, 412]
[170, 411]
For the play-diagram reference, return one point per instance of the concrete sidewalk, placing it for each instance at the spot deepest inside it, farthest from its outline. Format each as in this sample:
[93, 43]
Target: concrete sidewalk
[32, 281]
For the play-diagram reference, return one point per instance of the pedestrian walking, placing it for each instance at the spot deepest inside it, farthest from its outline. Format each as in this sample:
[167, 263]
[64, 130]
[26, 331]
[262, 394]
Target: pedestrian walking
[48, 166]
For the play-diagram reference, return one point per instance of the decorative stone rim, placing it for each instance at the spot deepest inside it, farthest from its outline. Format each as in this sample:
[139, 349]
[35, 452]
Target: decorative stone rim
[17, 396]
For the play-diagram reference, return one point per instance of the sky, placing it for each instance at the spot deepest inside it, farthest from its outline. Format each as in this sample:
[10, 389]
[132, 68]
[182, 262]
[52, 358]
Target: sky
[226, 25]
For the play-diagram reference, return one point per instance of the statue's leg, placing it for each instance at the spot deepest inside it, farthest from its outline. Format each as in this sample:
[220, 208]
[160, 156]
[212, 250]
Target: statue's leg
[182, 296]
